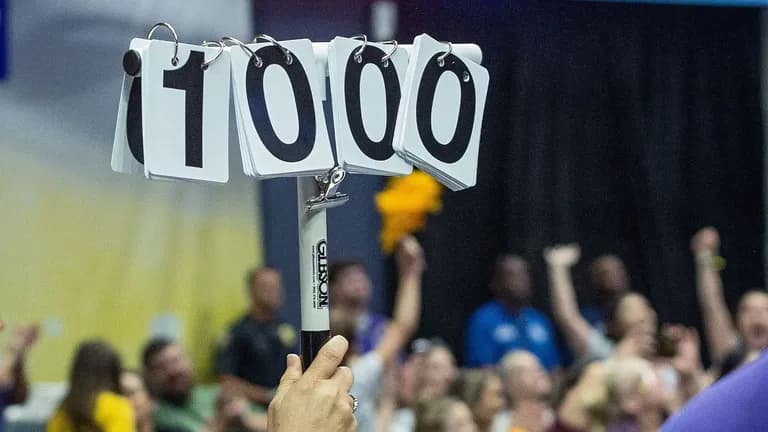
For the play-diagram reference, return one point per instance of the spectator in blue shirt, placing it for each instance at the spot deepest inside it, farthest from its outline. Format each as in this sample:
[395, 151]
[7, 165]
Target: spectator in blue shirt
[510, 322]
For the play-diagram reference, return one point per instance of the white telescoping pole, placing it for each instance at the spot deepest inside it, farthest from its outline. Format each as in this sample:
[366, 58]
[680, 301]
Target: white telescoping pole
[315, 195]
[313, 268]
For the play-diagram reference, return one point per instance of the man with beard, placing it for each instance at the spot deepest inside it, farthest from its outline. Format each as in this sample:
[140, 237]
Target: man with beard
[181, 405]
[510, 322]
[729, 345]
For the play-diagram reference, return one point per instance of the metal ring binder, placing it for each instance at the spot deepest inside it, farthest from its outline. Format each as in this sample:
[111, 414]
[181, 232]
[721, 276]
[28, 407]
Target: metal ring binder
[286, 51]
[220, 44]
[359, 52]
[257, 61]
[443, 56]
[175, 59]
[386, 58]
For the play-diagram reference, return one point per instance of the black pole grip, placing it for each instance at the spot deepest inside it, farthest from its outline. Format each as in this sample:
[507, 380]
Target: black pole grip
[311, 341]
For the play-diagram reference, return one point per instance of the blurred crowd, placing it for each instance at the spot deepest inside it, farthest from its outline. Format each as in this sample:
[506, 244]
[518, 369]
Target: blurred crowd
[628, 371]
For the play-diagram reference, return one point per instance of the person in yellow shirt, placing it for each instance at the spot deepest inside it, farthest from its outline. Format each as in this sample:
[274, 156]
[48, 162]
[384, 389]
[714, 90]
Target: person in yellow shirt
[93, 403]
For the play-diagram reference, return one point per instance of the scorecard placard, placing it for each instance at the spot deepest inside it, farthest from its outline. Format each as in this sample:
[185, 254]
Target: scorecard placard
[392, 109]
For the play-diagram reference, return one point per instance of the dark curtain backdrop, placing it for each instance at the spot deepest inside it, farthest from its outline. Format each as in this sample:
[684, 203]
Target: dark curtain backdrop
[621, 127]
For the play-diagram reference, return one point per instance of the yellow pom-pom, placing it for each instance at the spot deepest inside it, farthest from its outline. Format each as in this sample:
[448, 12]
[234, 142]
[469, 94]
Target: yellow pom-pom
[404, 205]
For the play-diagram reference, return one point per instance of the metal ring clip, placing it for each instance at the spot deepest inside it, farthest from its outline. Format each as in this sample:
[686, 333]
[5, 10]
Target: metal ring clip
[359, 52]
[220, 44]
[175, 59]
[328, 184]
[270, 39]
[386, 58]
[441, 59]
[257, 61]
[335, 177]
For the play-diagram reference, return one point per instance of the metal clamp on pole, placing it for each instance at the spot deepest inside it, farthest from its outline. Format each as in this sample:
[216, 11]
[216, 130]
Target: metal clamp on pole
[328, 185]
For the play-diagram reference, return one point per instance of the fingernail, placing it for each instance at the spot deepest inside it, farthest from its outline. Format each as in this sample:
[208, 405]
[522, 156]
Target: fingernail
[338, 342]
[292, 361]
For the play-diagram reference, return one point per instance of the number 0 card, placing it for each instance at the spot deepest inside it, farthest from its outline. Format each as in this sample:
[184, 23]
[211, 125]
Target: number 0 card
[441, 114]
[366, 86]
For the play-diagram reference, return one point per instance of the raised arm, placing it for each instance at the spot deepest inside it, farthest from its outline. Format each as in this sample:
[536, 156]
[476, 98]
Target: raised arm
[405, 320]
[576, 329]
[387, 400]
[574, 411]
[12, 371]
[721, 334]
[687, 362]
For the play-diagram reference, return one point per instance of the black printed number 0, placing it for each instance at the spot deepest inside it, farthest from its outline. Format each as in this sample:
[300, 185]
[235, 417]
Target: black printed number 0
[302, 147]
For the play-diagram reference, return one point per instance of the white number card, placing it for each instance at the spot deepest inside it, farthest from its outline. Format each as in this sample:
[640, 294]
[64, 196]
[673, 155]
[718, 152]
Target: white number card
[185, 111]
[280, 119]
[366, 89]
[441, 115]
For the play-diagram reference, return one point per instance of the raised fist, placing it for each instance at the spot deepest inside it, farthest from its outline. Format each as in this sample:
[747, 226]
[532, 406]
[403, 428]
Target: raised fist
[705, 240]
[409, 257]
[562, 255]
[23, 338]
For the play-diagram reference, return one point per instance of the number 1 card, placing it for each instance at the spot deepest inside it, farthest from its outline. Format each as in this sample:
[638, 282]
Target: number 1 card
[185, 111]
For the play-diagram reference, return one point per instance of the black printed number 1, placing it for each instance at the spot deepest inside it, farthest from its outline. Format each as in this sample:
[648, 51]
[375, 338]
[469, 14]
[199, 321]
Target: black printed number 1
[190, 79]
